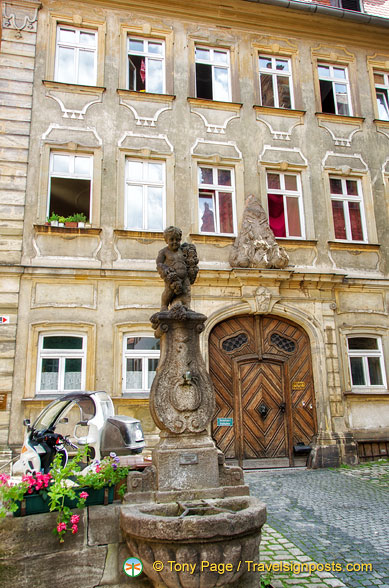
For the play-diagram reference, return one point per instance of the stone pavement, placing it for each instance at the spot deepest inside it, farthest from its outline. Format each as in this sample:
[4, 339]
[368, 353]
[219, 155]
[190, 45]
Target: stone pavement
[326, 516]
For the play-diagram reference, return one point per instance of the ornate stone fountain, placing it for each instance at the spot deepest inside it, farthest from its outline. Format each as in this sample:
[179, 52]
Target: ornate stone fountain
[188, 507]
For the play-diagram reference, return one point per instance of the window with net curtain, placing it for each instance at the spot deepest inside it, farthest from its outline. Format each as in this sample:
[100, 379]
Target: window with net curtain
[76, 56]
[140, 360]
[61, 363]
[285, 206]
[216, 200]
[366, 361]
[347, 209]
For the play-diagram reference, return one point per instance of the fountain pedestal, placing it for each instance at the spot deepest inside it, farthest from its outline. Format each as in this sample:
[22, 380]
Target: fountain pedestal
[188, 507]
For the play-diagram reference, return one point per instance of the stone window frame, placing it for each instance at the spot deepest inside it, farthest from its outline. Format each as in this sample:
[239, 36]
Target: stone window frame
[144, 355]
[306, 194]
[283, 49]
[76, 21]
[145, 155]
[375, 332]
[62, 355]
[299, 199]
[379, 64]
[213, 64]
[212, 41]
[70, 148]
[37, 330]
[336, 56]
[367, 199]
[148, 32]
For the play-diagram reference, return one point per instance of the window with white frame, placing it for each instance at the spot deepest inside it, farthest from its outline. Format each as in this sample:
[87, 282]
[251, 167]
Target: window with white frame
[61, 363]
[216, 200]
[146, 65]
[284, 197]
[275, 81]
[145, 195]
[76, 56]
[140, 361]
[347, 209]
[70, 184]
[381, 82]
[213, 74]
[334, 89]
[366, 361]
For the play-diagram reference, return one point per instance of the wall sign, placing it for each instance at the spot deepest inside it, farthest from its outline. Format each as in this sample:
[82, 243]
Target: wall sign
[225, 422]
[4, 320]
[3, 401]
[298, 385]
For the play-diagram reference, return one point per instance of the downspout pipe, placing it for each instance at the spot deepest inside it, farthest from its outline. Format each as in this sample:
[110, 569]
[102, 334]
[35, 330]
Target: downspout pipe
[351, 15]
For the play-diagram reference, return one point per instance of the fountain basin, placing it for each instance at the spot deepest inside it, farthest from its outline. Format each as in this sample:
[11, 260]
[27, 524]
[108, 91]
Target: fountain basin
[205, 535]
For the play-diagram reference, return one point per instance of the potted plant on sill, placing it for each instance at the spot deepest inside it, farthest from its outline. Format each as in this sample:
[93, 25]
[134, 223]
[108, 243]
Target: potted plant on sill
[80, 218]
[64, 488]
[70, 222]
[52, 220]
[61, 221]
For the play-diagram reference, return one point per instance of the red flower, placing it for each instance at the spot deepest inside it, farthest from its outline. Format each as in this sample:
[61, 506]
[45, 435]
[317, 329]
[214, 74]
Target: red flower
[74, 519]
[74, 529]
[84, 495]
[61, 527]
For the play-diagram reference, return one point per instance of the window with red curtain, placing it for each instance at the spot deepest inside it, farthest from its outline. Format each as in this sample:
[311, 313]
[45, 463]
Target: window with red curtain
[285, 204]
[347, 209]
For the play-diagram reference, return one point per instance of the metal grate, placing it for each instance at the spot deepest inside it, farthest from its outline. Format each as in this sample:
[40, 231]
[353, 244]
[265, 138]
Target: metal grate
[283, 343]
[235, 342]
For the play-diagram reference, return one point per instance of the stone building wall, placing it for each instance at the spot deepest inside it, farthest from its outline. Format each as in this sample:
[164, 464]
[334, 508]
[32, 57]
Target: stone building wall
[100, 282]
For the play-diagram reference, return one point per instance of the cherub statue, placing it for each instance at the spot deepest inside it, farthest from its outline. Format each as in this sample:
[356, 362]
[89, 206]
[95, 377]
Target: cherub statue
[178, 266]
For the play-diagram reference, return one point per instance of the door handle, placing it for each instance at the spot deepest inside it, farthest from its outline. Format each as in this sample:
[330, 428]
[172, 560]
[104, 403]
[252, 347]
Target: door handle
[282, 406]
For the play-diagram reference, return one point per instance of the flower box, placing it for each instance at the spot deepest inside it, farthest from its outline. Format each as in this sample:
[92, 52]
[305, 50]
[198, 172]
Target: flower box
[36, 503]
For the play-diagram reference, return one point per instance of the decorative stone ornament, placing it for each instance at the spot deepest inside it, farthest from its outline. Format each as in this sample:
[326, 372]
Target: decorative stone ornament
[256, 246]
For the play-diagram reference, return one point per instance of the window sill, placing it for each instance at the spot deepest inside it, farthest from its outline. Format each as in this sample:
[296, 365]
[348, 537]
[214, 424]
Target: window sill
[369, 392]
[327, 116]
[213, 239]
[150, 96]
[74, 88]
[49, 230]
[381, 122]
[143, 235]
[135, 396]
[296, 242]
[215, 104]
[286, 112]
[353, 246]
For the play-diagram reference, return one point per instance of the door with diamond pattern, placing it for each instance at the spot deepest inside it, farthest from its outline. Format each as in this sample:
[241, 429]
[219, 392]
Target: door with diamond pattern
[262, 374]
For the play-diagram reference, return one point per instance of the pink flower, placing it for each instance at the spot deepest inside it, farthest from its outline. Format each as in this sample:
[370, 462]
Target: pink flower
[74, 519]
[98, 469]
[84, 495]
[74, 529]
[61, 527]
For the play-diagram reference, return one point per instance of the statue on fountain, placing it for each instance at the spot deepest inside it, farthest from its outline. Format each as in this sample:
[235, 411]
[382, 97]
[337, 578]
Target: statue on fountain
[178, 266]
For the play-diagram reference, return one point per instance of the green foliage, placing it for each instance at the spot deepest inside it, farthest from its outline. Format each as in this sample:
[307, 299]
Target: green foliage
[53, 217]
[79, 217]
[266, 580]
[108, 473]
[10, 494]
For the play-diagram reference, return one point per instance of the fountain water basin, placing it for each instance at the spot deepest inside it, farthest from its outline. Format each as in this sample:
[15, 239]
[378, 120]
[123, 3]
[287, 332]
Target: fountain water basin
[202, 544]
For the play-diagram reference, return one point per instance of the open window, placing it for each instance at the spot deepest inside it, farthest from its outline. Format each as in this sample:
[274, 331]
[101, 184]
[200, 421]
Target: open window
[70, 185]
[334, 89]
[146, 65]
[213, 78]
[381, 83]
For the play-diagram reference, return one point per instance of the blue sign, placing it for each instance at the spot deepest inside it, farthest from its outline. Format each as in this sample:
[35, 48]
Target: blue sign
[225, 422]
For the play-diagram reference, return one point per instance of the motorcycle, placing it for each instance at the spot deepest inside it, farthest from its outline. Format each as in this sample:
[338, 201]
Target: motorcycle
[97, 427]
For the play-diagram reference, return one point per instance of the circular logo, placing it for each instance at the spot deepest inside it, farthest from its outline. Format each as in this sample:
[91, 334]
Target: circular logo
[133, 567]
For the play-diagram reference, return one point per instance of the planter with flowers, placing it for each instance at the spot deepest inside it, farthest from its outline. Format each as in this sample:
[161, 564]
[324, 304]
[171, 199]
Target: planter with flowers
[62, 490]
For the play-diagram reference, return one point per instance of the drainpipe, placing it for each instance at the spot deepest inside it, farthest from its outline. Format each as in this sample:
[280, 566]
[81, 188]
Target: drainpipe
[351, 15]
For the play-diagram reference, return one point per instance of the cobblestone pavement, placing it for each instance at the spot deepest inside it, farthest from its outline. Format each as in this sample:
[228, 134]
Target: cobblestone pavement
[339, 516]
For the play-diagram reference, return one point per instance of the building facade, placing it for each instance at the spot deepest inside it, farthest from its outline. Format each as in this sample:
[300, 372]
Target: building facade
[149, 115]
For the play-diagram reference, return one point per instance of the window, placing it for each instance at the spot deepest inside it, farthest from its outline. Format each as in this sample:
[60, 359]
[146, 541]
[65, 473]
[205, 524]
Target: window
[285, 205]
[334, 89]
[146, 65]
[145, 195]
[347, 209]
[347, 4]
[366, 361]
[70, 184]
[381, 81]
[213, 74]
[61, 363]
[76, 52]
[275, 82]
[216, 200]
[140, 361]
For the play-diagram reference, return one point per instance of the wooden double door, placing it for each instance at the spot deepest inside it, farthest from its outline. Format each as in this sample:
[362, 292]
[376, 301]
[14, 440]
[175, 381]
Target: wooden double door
[262, 373]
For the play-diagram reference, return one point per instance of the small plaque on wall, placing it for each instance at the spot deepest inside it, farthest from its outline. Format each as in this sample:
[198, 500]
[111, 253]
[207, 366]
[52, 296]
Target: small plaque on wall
[188, 458]
[3, 401]
[298, 385]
